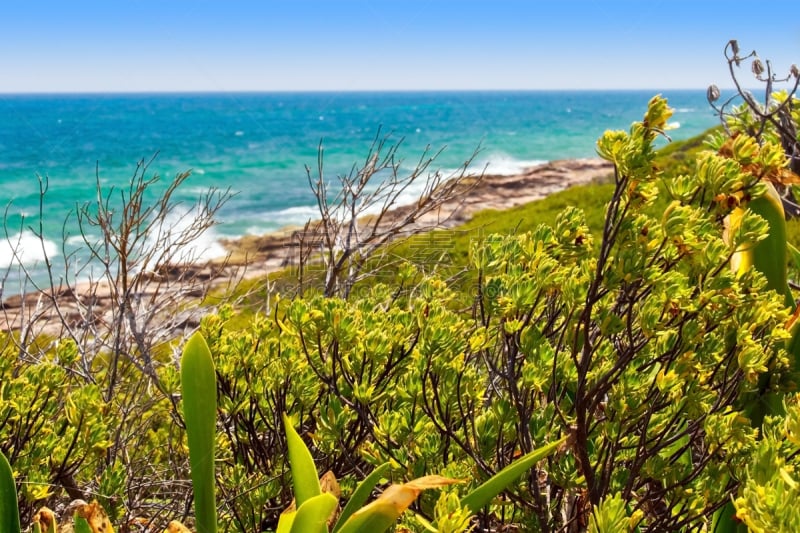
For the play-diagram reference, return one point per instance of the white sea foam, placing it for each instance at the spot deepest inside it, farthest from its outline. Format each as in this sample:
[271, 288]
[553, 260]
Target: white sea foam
[25, 248]
[257, 230]
[179, 223]
[292, 216]
[197, 191]
[498, 164]
[75, 240]
[685, 110]
[505, 165]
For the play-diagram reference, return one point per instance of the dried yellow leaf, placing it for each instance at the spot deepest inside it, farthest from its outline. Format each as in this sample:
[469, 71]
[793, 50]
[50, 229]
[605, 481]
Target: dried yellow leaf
[403, 495]
[176, 527]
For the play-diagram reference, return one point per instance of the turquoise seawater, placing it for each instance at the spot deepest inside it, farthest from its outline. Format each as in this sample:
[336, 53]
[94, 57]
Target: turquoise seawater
[259, 144]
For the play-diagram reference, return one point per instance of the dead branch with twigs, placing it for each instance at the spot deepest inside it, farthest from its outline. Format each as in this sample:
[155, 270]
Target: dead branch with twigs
[136, 285]
[358, 212]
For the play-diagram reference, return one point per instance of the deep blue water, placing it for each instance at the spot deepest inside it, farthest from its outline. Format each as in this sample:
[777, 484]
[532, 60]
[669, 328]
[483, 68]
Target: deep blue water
[259, 144]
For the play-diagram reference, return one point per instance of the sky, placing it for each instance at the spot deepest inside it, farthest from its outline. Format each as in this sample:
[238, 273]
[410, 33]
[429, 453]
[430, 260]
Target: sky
[303, 45]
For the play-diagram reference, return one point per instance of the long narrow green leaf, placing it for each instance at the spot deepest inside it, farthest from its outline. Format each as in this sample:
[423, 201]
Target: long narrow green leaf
[198, 380]
[285, 521]
[376, 517]
[312, 516]
[9, 511]
[482, 495]
[304, 472]
[361, 495]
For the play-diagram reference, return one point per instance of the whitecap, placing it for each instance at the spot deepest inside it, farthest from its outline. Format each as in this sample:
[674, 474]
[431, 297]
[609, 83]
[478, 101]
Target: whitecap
[168, 239]
[299, 210]
[239, 133]
[257, 230]
[501, 164]
[25, 248]
[198, 190]
[76, 240]
[496, 164]
[293, 215]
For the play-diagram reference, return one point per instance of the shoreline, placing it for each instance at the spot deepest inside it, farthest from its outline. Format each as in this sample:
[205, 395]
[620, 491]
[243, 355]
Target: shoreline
[493, 191]
[252, 257]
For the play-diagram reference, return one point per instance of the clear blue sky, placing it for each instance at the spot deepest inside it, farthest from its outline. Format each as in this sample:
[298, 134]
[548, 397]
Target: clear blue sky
[270, 45]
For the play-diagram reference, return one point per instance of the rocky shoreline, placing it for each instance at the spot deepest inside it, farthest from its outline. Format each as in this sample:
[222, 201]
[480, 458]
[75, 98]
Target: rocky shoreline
[252, 257]
[270, 252]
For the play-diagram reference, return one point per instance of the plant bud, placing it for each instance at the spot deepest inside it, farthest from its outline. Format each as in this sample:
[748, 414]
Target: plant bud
[757, 67]
[734, 44]
[712, 94]
[794, 71]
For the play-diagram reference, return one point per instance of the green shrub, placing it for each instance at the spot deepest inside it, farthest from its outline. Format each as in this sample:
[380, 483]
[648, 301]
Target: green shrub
[638, 343]
[629, 333]
[54, 425]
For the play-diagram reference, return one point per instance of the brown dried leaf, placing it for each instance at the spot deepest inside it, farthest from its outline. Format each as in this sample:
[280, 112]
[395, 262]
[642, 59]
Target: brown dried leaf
[96, 516]
[329, 484]
[44, 518]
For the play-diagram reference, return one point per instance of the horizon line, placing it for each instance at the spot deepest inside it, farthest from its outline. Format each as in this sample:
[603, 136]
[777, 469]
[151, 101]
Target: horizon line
[344, 91]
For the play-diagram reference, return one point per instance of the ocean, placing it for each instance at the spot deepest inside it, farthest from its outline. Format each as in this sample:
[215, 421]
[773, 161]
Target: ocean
[258, 145]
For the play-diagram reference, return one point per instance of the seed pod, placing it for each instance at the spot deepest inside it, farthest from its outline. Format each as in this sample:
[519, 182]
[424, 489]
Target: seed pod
[757, 67]
[712, 94]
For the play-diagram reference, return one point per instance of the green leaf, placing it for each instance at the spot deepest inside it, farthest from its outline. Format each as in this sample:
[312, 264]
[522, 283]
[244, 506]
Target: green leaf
[724, 520]
[770, 255]
[361, 495]
[375, 518]
[482, 495]
[304, 472]
[9, 512]
[794, 255]
[312, 516]
[198, 380]
[285, 521]
[611, 516]
[82, 525]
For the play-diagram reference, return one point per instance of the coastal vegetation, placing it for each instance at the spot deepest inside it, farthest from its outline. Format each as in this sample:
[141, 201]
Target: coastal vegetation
[620, 356]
